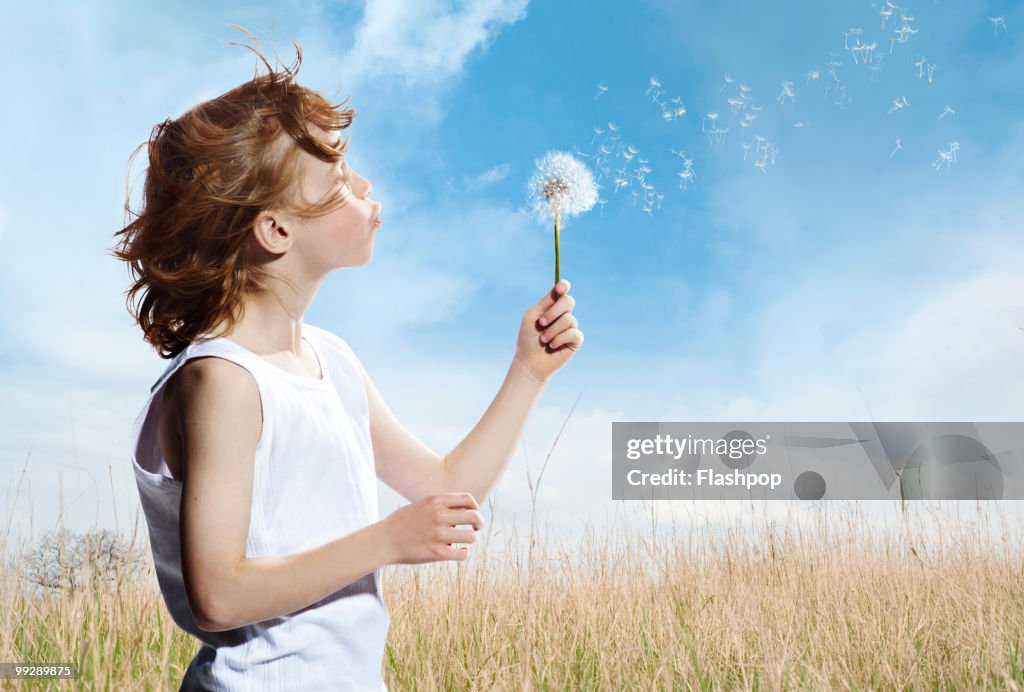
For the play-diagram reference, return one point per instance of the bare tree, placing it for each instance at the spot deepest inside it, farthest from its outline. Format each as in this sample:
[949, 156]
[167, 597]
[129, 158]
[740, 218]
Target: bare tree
[65, 561]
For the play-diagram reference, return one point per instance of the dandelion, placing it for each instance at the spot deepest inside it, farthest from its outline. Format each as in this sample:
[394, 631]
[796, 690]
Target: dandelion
[561, 187]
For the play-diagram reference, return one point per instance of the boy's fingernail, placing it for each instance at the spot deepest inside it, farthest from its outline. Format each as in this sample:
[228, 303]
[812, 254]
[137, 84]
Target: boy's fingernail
[543, 322]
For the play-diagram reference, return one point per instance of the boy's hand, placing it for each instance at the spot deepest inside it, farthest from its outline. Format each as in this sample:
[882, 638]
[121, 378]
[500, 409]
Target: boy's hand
[426, 530]
[549, 335]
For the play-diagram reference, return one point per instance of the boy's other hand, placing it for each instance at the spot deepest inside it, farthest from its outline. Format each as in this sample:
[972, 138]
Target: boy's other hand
[425, 531]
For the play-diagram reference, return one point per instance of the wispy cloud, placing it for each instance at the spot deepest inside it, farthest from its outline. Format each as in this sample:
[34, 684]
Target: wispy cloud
[488, 177]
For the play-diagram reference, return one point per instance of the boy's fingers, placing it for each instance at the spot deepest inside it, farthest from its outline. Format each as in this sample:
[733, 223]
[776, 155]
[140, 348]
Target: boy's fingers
[550, 314]
[560, 289]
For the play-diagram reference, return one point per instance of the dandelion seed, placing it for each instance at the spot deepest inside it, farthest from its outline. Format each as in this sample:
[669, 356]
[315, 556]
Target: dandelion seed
[946, 111]
[562, 186]
[919, 64]
[899, 145]
[947, 157]
[686, 176]
[787, 92]
[899, 103]
[846, 37]
[601, 89]
[998, 23]
[876, 67]
[868, 51]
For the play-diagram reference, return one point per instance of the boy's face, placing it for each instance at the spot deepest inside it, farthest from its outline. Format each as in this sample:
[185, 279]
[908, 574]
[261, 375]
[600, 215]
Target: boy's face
[343, 237]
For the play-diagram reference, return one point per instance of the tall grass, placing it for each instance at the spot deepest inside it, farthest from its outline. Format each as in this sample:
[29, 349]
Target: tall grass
[830, 603]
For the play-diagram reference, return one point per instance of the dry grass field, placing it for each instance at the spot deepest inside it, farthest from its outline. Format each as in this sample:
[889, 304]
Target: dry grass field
[822, 604]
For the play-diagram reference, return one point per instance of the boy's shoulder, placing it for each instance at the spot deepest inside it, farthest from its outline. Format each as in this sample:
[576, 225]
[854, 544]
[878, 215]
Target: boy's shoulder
[328, 338]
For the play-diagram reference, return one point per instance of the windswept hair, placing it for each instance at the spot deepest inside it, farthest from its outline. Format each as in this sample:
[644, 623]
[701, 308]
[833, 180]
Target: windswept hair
[211, 172]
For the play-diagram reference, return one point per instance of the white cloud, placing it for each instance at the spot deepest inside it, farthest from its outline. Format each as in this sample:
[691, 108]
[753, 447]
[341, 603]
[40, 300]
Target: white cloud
[425, 41]
[491, 175]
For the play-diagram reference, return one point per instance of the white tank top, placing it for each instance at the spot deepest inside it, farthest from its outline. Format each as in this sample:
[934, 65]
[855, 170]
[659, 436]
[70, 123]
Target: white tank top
[313, 482]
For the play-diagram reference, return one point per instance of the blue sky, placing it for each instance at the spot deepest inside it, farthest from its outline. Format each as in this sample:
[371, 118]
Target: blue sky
[844, 279]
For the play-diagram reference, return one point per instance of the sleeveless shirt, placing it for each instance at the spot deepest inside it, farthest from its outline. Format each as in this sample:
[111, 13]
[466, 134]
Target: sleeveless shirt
[313, 481]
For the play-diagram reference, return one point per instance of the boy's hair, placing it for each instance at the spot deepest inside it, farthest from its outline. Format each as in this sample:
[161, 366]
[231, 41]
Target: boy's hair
[211, 172]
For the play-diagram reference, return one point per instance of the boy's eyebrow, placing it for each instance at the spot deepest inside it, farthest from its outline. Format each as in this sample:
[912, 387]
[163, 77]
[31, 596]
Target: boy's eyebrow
[338, 176]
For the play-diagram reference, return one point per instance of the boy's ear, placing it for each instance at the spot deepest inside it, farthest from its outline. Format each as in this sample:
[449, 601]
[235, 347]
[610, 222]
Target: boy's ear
[269, 234]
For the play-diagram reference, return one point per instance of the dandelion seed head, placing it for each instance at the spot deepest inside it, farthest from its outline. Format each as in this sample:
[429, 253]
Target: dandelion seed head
[561, 184]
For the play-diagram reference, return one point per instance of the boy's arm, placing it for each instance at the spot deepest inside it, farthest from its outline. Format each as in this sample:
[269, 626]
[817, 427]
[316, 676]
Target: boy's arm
[414, 470]
[548, 339]
[218, 409]
[403, 462]
[476, 463]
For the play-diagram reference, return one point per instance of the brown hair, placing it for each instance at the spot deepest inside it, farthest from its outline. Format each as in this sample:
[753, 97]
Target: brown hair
[211, 172]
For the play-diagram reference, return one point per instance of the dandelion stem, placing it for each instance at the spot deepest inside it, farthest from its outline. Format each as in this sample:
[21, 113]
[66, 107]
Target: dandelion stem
[554, 290]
